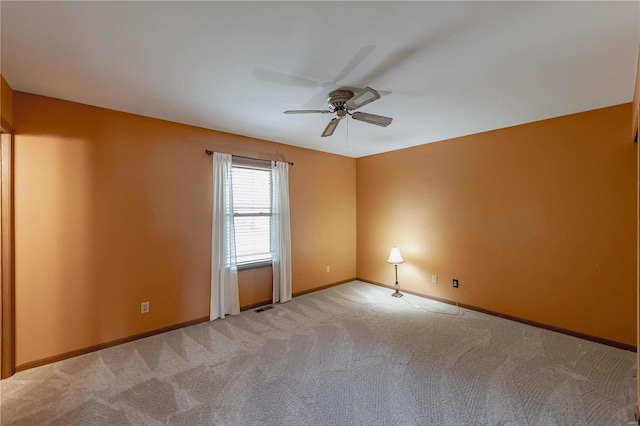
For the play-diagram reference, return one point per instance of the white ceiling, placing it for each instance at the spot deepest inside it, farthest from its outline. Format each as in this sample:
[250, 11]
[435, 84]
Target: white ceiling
[446, 69]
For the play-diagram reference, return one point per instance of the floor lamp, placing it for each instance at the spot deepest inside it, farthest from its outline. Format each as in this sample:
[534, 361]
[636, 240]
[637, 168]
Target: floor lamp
[395, 258]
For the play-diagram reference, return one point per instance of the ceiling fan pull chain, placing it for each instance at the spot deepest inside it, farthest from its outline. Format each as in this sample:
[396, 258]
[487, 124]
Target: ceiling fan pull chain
[347, 135]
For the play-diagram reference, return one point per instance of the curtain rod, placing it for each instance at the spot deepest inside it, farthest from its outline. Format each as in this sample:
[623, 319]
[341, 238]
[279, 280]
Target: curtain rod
[209, 152]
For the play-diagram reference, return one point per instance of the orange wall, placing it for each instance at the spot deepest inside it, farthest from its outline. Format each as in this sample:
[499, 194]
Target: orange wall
[113, 209]
[6, 101]
[634, 132]
[536, 221]
[256, 286]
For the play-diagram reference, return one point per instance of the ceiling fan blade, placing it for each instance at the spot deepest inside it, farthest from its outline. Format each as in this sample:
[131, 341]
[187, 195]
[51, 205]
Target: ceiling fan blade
[281, 78]
[363, 97]
[354, 62]
[308, 111]
[331, 127]
[320, 98]
[378, 120]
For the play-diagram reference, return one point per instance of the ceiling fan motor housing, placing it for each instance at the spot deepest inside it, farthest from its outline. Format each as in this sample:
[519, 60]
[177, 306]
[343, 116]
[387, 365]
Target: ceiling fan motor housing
[338, 98]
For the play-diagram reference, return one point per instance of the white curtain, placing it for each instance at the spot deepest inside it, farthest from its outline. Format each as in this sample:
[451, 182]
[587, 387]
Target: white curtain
[281, 232]
[224, 271]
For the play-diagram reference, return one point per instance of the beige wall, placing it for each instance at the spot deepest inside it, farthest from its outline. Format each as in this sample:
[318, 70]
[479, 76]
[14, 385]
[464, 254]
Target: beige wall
[6, 102]
[537, 221]
[113, 209]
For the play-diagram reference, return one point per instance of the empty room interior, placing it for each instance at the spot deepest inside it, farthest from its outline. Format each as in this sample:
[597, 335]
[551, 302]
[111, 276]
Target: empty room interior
[492, 145]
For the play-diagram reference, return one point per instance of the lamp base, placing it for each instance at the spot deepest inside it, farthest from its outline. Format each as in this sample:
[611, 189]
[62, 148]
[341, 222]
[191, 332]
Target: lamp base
[397, 294]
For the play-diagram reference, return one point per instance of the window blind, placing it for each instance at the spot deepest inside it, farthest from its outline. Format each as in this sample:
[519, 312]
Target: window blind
[252, 213]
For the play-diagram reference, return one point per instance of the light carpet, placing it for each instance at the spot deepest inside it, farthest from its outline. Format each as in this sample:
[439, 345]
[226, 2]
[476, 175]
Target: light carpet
[347, 355]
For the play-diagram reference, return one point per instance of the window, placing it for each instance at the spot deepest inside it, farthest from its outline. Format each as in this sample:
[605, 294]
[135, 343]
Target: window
[252, 214]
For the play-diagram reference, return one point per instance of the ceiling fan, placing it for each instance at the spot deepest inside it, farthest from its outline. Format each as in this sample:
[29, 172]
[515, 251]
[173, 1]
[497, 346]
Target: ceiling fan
[342, 102]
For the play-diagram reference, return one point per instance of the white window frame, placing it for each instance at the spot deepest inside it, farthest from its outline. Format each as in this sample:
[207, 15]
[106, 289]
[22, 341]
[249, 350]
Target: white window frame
[263, 262]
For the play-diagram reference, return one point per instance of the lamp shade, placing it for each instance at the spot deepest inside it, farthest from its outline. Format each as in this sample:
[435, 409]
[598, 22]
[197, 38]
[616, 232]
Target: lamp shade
[395, 257]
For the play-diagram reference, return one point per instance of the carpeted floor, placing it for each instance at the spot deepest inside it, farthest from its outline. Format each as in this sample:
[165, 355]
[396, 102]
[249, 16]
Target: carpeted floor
[348, 355]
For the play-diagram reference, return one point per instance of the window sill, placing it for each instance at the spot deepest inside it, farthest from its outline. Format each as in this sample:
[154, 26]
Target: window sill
[254, 265]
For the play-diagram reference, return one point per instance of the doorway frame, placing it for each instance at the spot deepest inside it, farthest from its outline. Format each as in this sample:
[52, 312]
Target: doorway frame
[7, 258]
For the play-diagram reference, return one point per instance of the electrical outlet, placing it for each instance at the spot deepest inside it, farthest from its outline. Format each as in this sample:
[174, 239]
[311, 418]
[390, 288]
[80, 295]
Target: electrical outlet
[144, 307]
[455, 283]
[434, 279]
[328, 268]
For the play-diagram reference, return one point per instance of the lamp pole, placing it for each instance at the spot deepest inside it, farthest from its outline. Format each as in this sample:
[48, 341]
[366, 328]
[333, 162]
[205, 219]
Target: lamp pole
[397, 293]
[395, 258]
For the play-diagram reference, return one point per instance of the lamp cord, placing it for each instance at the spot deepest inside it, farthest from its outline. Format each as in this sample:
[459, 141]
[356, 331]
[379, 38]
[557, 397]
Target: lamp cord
[459, 312]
